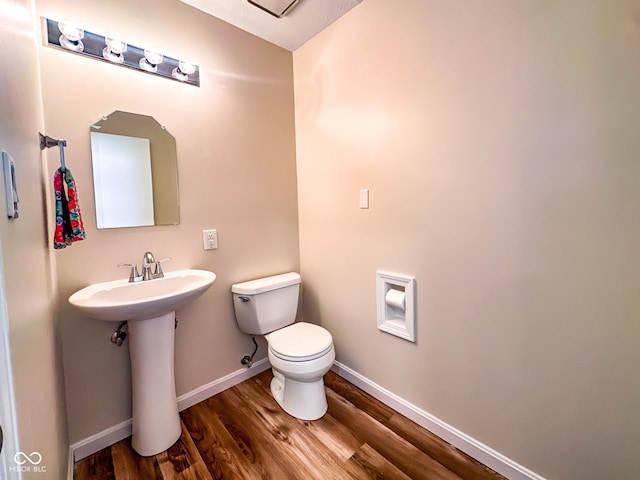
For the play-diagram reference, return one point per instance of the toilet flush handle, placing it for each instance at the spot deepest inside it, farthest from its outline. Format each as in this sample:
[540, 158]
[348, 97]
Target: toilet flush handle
[244, 299]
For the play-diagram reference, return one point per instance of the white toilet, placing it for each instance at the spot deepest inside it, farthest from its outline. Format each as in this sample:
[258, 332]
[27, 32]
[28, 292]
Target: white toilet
[300, 353]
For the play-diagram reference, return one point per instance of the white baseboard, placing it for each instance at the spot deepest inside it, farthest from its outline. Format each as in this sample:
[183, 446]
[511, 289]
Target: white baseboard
[100, 440]
[472, 447]
[105, 438]
[210, 389]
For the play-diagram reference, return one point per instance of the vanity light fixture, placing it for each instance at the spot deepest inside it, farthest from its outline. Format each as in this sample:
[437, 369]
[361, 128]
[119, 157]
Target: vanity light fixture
[72, 38]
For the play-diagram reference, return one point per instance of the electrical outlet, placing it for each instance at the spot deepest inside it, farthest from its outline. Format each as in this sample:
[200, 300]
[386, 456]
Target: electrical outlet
[210, 239]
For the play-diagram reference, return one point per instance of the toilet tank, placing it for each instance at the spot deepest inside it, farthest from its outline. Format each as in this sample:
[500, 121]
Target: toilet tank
[266, 304]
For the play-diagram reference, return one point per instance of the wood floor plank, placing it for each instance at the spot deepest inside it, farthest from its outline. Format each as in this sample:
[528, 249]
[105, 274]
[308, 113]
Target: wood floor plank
[128, 465]
[320, 461]
[357, 397]
[406, 457]
[259, 446]
[334, 436]
[98, 466]
[224, 456]
[264, 380]
[376, 466]
[448, 455]
[337, 438]
[182, 461]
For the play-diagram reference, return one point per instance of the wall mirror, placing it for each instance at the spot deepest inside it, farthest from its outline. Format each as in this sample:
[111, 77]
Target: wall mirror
[135, 172]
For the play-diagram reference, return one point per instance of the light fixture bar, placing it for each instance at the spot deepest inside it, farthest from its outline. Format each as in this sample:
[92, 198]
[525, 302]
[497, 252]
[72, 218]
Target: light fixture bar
[95, 46]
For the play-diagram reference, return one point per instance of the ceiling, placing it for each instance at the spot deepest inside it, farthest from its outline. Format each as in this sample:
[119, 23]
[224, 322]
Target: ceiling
[299, 24]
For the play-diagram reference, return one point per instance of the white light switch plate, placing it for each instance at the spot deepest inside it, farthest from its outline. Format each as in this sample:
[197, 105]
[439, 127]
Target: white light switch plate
[364, 198]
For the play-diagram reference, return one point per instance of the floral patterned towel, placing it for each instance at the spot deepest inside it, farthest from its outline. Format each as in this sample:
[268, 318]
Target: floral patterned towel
[69, 226]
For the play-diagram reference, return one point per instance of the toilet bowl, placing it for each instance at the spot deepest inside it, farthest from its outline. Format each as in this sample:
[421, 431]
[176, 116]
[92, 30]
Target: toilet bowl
[300, 353]
[300, 356]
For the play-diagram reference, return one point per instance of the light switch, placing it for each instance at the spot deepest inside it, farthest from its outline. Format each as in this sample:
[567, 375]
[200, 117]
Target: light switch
[364, 198]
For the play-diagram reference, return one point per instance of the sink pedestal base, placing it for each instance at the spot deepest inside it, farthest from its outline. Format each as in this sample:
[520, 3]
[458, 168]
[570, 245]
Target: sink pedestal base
[156, 422]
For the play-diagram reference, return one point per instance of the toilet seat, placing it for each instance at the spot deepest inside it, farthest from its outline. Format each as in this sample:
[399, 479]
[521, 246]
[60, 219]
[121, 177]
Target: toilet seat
[300, 342]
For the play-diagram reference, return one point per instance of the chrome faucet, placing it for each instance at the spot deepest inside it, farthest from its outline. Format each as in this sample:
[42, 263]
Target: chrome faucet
[147, 262]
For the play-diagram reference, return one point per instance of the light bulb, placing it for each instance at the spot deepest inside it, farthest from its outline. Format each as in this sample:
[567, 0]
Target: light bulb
[186, 67]
[150, 61]
[116, 46]
[183, 70]
[114, 51]
[71, 36]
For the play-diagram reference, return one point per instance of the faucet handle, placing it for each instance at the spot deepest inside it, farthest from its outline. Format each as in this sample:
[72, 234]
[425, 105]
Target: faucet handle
[134, 270]
[158, 271]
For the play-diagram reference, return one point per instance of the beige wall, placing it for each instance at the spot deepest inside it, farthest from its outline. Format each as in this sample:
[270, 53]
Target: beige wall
[236, 162]
[500, 144]
[28, 282]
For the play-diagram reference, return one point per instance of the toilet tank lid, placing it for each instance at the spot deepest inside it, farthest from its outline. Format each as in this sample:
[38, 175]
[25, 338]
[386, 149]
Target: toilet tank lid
[260, 285]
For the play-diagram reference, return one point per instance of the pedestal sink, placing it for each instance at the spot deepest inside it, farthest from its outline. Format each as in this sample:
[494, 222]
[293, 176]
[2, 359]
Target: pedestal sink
[149, 309]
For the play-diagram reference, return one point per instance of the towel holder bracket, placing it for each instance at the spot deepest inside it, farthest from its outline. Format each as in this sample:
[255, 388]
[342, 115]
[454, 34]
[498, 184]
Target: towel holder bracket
[48, 142]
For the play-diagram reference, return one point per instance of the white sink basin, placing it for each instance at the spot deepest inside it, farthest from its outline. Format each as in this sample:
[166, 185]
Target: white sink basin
[149, 309]
[121, 300]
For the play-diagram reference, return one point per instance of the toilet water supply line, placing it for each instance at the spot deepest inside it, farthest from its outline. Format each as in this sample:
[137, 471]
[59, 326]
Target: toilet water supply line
[248, 359]
[120, 335]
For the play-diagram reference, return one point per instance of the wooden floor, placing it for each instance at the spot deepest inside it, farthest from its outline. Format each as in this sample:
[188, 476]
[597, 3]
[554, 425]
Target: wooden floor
[242, 433]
